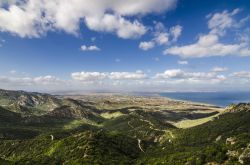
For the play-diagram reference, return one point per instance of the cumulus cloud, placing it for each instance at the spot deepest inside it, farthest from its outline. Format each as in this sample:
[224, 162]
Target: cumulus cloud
[17, 81]
[47, 80]
[127, 75]
[22, 20]
[180, 75]
[146, 45]
[112, 23]
[89, 48]
[88, 76]
[209, 44]
[176, 32]
[173, 73]
[110, 81]
[175, 79]
[244, 35]
[162, 36]
[181, 80]
[99, 76]
[219, 22]
[34, 18]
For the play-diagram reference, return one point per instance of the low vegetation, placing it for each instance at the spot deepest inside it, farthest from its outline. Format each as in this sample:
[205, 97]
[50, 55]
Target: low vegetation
[44, 129]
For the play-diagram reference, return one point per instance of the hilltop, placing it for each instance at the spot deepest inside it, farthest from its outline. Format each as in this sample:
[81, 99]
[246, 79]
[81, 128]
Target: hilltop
[40, 128]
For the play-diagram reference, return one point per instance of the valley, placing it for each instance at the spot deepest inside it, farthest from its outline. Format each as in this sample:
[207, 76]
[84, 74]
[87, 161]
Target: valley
[40, 128]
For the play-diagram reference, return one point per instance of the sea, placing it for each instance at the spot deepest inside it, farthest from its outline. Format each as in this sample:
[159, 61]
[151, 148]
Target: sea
[221, 99]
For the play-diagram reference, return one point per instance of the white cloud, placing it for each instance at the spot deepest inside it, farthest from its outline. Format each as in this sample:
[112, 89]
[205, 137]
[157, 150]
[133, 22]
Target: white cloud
[100, 76]
[243, 36]
[47, 80]
[220, 22]
[127, 75]
[162, 36]
[241, 74]
[180, 80]
[173, 73]
[90, 48]
[88, 76]
[23, 20]
[34, 18]
[131, 7]
[219, 69]
[122, 80]
[183, 62]
[146, 45]
[194, 76]
[208, 45]
[17, 81]
[173, 79]
[112, 23]
[176, 32]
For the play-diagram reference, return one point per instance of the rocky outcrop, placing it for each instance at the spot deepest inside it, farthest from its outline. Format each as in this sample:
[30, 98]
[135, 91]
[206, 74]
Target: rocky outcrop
[25, 102]
[231, 140]
[244, 158]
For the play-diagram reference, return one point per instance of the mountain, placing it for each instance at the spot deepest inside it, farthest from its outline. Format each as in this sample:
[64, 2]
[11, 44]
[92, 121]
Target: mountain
[40, 128]
[37, 105]
[27, 103]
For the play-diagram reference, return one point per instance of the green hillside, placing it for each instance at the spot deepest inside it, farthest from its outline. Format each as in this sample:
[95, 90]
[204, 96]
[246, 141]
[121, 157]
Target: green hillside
[139, 130]
[206, 143]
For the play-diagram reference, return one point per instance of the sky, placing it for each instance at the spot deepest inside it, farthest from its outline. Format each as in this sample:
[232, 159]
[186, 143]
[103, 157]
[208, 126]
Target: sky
[125, 46]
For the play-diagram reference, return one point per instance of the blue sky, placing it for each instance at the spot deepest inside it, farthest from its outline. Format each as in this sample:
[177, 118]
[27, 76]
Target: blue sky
[144, 45]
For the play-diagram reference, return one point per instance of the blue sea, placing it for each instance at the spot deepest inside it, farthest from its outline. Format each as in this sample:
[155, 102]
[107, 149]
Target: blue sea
[222, 99]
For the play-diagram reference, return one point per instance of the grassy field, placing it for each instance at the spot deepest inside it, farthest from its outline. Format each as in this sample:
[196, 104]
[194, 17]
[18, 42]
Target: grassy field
[191, 123]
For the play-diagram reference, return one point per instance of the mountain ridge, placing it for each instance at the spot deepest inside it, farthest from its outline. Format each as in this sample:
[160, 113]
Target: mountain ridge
[121, 130]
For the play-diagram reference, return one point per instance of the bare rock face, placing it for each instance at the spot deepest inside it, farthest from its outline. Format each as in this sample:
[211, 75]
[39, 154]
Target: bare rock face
[244, 158]
[234, 154]
[231, 140]
[218, 138]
